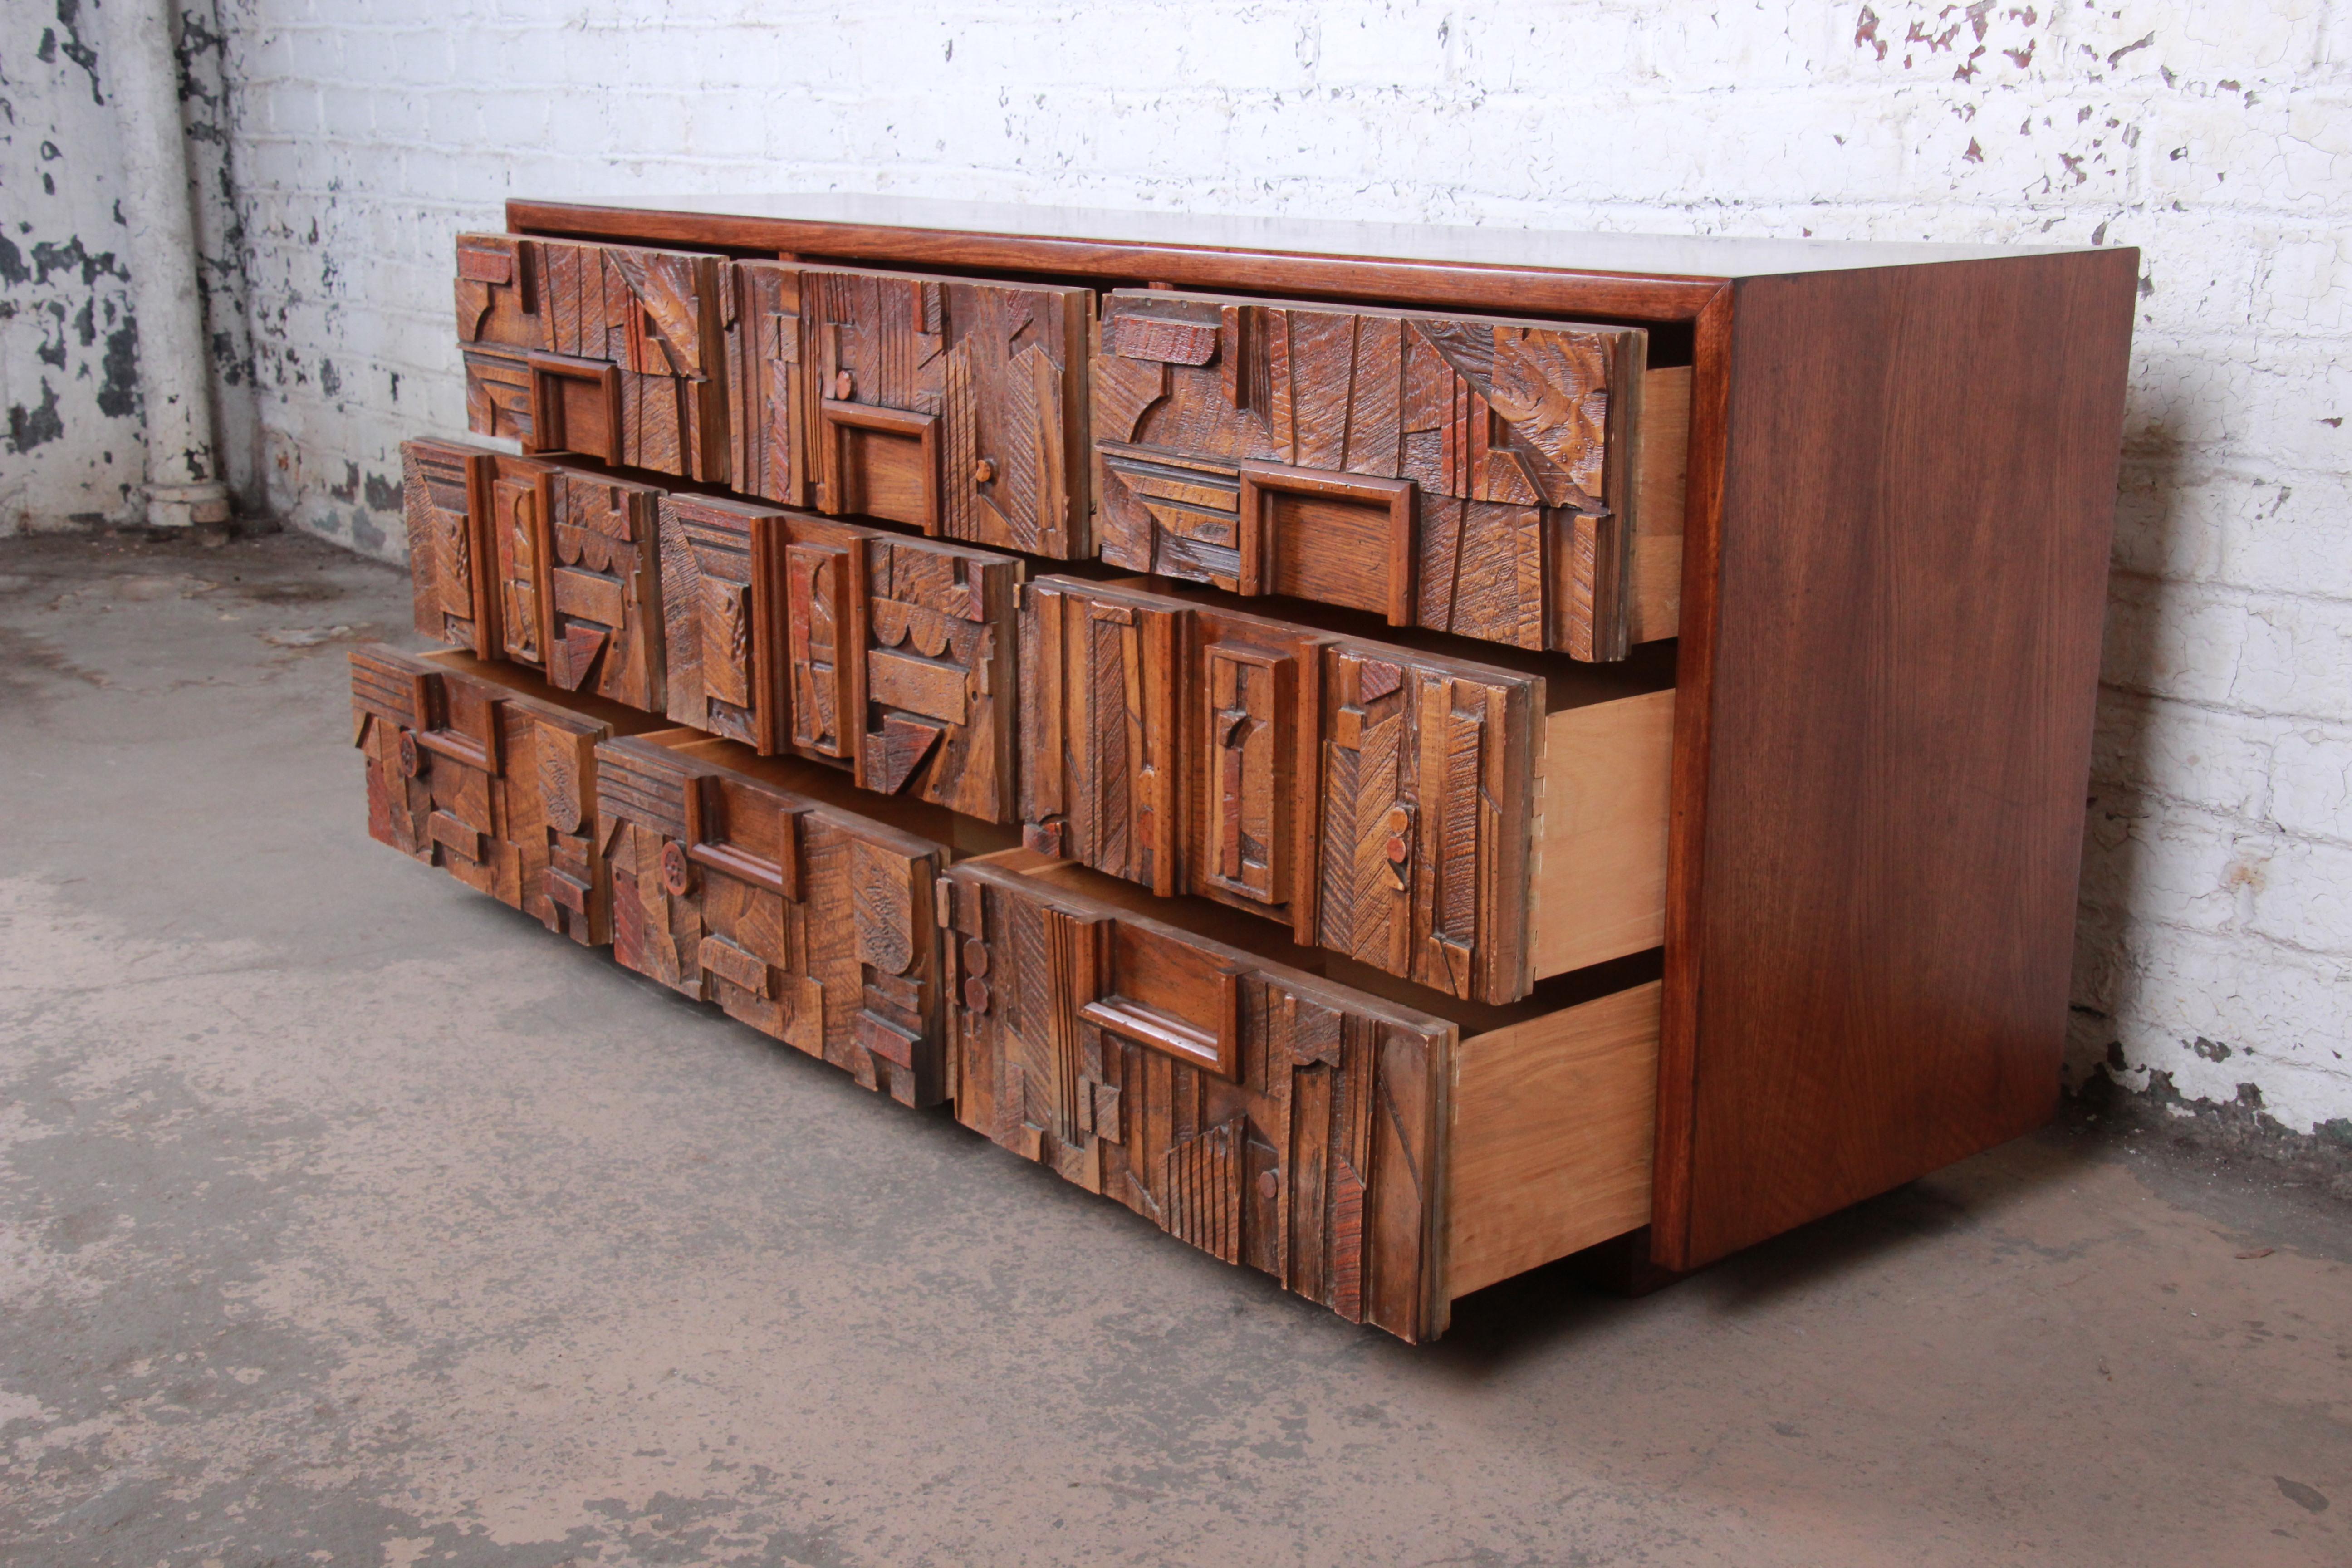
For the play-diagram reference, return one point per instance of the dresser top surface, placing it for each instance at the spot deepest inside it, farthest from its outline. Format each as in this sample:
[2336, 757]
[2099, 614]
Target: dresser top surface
[1697, 255]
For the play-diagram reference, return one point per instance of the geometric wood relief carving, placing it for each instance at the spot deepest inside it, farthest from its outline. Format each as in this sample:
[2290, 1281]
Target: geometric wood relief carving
[891, 658]
[615, 353]
[1462, 474]
[492, 786]
[1375, 799]
[957, 406]
[813, 924]
[1089, 1041]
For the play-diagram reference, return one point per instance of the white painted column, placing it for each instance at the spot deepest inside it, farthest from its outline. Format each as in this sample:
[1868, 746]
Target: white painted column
[143, 77]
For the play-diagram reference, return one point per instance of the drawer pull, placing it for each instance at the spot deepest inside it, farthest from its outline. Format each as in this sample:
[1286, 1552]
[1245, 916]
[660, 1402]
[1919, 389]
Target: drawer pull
[459, 748]
[1341, 539]
[884, 461]
[1217, 1051]
[730, 861]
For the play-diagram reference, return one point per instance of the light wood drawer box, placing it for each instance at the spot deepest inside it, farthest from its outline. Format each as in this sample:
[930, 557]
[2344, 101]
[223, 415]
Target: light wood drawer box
[1468, 826]
[549, 564]
[890, 657]
[775, 888]
[955, 405]
[1380, 1157]
[1515, 481]
[485, 772]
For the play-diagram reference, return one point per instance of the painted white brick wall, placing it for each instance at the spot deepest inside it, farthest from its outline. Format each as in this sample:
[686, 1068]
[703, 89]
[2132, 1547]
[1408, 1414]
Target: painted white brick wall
[2216, 938]
[70, 448]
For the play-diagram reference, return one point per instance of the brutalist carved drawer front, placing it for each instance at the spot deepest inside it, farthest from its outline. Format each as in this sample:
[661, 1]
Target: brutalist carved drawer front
[812, 923]
[1375, 799]
[1462, 474]
[613, 352]
[1266, 1116]
[957, 406]
[559, 567]
[496, 786]
[893, 658]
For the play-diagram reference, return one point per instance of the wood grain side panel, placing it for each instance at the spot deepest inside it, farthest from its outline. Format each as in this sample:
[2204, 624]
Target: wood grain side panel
[1918, 494]
[1553, 1123]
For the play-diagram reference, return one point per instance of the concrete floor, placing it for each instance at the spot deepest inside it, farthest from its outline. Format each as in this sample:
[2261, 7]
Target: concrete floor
[347, 1217]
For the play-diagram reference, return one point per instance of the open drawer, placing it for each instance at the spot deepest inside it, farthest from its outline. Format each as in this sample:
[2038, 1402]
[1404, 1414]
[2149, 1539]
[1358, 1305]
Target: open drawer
[1376, 1148]
[775, 888]
[1517, 481]
[488, 772]
[1473, 827]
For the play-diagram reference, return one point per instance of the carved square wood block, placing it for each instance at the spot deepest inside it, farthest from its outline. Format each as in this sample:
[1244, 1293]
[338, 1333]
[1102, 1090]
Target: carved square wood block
[889, 657]
[957, 406]
[1462, 474]
[615, 352]
[811, 923]
[468, 770]
[1384, 803]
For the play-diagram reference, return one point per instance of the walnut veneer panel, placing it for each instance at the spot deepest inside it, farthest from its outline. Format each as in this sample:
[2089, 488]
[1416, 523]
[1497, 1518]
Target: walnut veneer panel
[1884, 740]
[1462, 474]
[811, 923]
[487, 774]
[892, 657]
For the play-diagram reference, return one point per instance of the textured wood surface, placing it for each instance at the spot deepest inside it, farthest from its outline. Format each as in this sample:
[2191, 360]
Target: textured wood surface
[956, 406]
[812, 923]
[1553, 1122]
[558, 563]
[1084, 1037]
[615, 352]
[1894, 624]
[598, 580]
[446, 496]
[1460, 474]
[891, 656]
[1375, 799]
[476, 769]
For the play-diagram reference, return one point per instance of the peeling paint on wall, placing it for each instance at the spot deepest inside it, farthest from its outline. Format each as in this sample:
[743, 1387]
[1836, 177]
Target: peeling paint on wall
[68, 353]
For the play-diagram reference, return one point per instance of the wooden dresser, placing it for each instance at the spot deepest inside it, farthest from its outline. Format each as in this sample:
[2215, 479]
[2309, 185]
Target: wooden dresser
[1398, 754]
